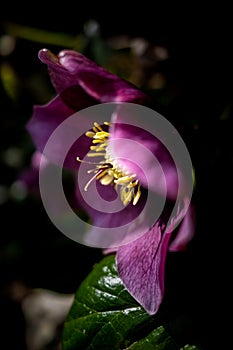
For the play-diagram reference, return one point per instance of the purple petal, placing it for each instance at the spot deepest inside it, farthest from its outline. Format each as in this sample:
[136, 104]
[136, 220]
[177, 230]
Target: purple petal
[103, 203]
[76, 98]
[111, 223]
[141, 266]
[71, 68]
[185, 231]
[143, 154]
[43, 123]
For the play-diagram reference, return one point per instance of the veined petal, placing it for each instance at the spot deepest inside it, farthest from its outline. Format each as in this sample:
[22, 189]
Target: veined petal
[141, 266]
[71, 68]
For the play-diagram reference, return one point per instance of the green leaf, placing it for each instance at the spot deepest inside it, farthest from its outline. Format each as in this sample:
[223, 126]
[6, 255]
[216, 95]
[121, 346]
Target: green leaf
[158, 339]
[105, 316]
[102, 311]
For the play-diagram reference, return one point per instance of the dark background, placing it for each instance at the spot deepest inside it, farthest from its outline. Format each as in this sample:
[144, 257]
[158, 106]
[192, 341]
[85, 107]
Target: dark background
[197, 98]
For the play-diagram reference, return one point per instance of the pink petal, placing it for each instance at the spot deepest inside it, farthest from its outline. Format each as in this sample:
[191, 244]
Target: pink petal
[143, 154]
[70, 68]
[46, 119]
[141, 266]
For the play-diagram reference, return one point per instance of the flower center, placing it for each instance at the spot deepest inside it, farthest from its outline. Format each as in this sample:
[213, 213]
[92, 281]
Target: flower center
[108, 171]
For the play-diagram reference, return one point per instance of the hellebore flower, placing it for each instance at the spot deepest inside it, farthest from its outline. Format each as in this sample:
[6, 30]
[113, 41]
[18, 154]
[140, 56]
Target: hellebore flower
[121, 167]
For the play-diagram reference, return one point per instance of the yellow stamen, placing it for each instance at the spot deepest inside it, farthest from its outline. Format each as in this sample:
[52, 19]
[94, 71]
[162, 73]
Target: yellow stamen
[102, 174]
[97, 141]
[124, 179]
[126, 196]
[98, 126]
[132, 184]
[90, 134]
[95, 154]
[137, 196]
[97, 148]
[89, 182]
[106, 180]
[95, 129]
[101, 135]
[108, 171]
